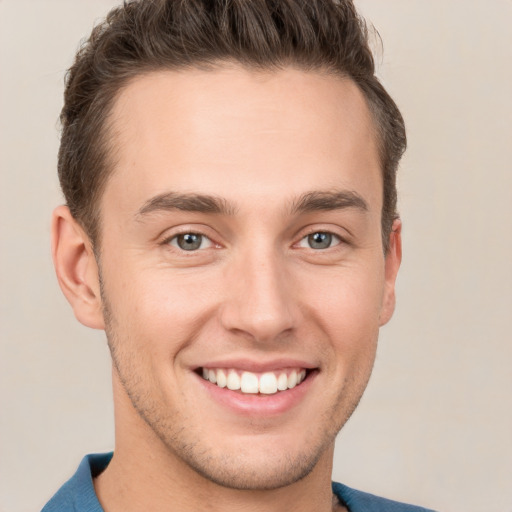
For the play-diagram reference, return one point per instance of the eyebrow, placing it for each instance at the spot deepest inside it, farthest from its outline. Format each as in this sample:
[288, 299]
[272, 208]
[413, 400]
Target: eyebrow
[200, 203]
[203, 203]
[329, 200]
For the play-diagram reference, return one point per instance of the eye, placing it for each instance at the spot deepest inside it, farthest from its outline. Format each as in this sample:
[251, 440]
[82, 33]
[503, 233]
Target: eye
[190, 241]
[319, 240]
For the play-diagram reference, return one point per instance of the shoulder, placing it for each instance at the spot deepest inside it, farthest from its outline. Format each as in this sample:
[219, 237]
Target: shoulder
[357, 501]
[77, 494]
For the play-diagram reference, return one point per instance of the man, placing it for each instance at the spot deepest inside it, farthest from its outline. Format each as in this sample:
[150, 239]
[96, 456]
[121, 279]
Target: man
[229, 172]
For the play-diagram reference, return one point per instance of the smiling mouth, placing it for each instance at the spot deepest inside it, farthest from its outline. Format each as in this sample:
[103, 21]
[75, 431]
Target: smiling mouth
[267, 383]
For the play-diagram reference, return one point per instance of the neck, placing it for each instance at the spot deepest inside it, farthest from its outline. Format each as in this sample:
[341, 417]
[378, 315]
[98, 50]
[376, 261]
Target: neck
[148, 479]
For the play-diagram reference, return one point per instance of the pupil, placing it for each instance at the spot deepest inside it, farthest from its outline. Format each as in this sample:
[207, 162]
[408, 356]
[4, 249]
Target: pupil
[189, 241]
[320, 240]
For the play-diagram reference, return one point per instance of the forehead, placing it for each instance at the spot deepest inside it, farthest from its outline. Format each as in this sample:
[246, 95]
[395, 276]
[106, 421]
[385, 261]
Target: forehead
[243, 133]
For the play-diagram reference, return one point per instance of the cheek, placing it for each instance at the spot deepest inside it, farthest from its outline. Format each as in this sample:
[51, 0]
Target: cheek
[349, 299]
[347, 310]
[159, 309]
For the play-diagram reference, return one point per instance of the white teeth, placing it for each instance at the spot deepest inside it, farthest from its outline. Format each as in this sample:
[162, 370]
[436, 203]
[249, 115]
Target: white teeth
[249, 383]
[233, 381]
[282, 382]
[266, 383]
[221, 379]
[292, 379]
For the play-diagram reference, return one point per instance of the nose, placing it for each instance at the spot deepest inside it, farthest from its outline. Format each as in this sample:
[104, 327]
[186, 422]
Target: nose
[260, 303]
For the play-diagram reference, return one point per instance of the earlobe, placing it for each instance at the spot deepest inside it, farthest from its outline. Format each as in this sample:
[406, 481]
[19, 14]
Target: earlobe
[76, 268]
[392, 264]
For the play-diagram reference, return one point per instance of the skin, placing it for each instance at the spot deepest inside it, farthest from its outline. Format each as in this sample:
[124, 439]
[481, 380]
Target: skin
[256, 290]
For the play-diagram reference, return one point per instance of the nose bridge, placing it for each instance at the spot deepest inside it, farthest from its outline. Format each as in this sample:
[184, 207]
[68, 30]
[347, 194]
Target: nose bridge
[259, 302]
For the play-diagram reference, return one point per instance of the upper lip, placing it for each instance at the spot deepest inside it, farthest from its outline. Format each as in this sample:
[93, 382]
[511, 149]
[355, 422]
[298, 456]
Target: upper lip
[257, 366]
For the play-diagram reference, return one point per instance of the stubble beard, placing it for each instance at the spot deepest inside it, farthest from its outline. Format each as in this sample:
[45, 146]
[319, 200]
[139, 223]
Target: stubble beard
[237, 469]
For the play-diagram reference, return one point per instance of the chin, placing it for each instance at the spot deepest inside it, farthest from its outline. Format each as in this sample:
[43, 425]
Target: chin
[262, 471]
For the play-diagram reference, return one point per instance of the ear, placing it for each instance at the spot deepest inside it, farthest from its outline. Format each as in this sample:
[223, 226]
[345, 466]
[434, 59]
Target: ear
[76, 268]
[392, 264]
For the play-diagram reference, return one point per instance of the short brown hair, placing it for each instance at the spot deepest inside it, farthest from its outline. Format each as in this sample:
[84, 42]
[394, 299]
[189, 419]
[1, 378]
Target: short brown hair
[148, 35]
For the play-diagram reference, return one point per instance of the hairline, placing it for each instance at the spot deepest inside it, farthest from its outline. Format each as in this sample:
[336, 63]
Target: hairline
[106, 136]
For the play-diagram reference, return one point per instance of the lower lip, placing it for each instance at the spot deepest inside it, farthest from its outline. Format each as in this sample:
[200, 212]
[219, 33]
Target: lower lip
[259, 404]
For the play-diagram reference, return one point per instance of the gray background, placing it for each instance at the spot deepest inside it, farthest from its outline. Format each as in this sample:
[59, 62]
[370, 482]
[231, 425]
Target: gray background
[435, 426]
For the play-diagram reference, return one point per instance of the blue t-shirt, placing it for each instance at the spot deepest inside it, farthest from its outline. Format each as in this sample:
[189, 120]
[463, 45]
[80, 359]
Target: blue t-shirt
[77, 494]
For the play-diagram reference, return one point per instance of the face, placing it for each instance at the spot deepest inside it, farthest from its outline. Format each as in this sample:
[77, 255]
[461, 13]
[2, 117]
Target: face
[241, 248]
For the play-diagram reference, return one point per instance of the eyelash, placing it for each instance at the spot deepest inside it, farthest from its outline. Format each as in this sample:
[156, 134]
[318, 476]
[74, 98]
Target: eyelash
[332, 237]
[175, 237]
